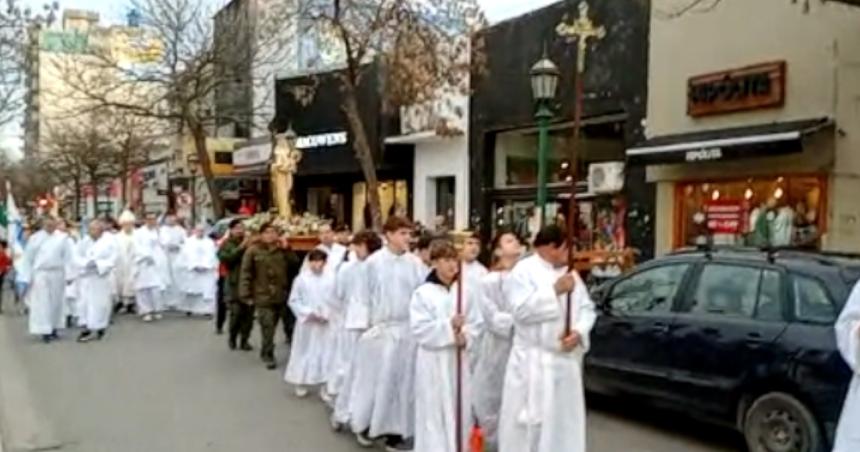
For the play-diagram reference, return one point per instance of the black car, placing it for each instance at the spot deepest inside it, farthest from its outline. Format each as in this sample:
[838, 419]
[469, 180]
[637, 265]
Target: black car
[738, 337]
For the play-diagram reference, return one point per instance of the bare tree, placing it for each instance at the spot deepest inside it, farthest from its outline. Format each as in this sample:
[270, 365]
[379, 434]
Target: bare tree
[133, 137]
[178, 83]
[425, 47]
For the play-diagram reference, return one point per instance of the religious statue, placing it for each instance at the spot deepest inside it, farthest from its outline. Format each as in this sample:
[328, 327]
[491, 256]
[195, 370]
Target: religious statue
[284, 166]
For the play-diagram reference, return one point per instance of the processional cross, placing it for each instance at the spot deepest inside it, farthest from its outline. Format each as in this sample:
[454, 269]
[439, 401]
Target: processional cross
[580, 30]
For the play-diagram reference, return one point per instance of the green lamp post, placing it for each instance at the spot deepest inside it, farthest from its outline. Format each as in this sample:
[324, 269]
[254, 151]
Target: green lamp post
[544, 79]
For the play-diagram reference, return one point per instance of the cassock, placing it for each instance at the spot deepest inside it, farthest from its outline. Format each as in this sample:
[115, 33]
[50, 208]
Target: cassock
[71, 303]
[310, 352]
[385, 401]
[351, 289]
[198, 262]
[151, 272]
[124, 270]
[473, 272]
[848, 338]
[495, 347]
[47, 255]
[432, 307]
[172, 238]
[95, 261]
[543, 403]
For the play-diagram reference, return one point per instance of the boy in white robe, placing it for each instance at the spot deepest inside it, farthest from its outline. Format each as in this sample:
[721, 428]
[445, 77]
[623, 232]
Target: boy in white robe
[443, 335]
[543, 403]
[71, 304]
[351, 287]
[172, 236]
[95, 258]
[473, 272]
[199, 263]
[848, 338]
[150, 270]
[385, 405]
[47, 255]
[497, 337]
[124, 271]
[311, 301]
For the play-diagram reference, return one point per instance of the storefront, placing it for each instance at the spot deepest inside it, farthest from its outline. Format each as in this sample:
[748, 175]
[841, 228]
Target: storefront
[248, 190]
[329, 181]
[614, 206]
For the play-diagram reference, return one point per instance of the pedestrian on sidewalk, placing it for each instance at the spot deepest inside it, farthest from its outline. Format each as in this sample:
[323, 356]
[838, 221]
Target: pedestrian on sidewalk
[241, 311]
[95, 258]
[267, 270]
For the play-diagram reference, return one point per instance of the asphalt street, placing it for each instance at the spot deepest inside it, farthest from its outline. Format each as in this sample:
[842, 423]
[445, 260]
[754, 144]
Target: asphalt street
[174, 387]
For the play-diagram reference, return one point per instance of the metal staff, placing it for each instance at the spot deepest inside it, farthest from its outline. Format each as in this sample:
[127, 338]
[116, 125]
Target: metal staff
[580, 30]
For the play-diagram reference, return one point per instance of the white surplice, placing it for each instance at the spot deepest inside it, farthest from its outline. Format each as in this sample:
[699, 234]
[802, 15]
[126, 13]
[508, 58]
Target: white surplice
[432, 307]
[95, 261]
[151, 271]
[311, 346]
[198, 264]
[495, 347]
[351, 288]
[848, 338]
[124, 270]
[48, 255]
[543, 404]
[172, 238]
[386, 351]
[473, 272]
[71, 304]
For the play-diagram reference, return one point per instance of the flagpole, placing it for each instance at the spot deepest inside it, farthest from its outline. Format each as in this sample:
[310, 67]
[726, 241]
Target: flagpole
[458, 415]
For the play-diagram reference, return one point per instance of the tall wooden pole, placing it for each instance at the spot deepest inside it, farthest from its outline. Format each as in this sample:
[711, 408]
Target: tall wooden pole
[458, 415]
[580, 30]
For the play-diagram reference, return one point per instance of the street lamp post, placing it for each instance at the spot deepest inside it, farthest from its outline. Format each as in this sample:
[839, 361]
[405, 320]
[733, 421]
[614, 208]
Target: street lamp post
[193, 161]
[544, 79]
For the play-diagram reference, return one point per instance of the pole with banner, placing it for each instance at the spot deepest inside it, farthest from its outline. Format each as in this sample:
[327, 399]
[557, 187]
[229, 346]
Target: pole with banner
[580, 30]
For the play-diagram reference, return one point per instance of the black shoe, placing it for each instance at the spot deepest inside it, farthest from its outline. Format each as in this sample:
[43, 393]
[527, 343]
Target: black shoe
[69, 321]
[130, 309]
[100, 334]
[117, 308]
[219, 331]
[188, 314]
[232, 343]
[271, 365]
[46, 338]
[246, 347]
[55, 336]
[85, 336]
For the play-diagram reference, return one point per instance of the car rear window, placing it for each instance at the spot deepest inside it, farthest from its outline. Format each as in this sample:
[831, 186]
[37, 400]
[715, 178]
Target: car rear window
[812, 302]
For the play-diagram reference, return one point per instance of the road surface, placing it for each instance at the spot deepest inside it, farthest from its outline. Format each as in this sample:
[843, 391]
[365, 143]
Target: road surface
[174, 387]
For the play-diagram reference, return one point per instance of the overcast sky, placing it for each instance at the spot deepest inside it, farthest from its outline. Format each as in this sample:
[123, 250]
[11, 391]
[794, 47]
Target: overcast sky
[113, 11]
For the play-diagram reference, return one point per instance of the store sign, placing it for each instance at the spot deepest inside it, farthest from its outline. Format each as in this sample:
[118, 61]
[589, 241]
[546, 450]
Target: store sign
[724, 217]
[324, 140]
[704, 155]
[253, 155]
[748, 88]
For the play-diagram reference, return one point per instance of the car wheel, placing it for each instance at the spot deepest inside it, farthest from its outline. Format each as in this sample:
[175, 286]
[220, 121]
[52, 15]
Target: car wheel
[777, 422]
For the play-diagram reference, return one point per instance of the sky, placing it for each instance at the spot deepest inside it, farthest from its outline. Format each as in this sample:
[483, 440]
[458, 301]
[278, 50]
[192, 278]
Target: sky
[113, 11]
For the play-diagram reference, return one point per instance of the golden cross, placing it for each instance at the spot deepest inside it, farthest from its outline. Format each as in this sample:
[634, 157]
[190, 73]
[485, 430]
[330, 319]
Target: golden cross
[580, 30]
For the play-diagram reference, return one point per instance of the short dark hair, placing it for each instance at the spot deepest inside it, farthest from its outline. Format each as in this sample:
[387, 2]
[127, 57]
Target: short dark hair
[341, 228]
[425, 240]
[551, 235]
[503, 232]
[268, 225]
[369, 239]
[443, 249]
[317, 255]
[395, 223]
[234, 222]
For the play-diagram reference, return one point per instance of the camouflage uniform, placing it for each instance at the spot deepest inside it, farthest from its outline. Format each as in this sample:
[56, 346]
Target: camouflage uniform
[241, 314]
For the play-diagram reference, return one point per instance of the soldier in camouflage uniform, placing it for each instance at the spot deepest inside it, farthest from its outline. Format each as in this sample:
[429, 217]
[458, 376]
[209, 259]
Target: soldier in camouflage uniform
[241, 312]
[267, 270]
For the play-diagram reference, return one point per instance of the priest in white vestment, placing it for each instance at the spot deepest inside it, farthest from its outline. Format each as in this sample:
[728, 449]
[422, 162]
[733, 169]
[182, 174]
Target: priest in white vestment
[497, 336]
[543, 405]
[172, 236]
[351, 287]
[95, 258]
[124, 271]
[311, 300]
[47, 253]
[848, 338]
[151, 271]
[443, 335]
[384, 402]
[198, 261]
[71, 309]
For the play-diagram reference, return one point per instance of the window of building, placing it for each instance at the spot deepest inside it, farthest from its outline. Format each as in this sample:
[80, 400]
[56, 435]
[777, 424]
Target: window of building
[778, 211]
[445, 203]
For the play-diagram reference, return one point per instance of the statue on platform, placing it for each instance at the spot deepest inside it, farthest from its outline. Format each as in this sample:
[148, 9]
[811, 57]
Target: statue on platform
[284, 166]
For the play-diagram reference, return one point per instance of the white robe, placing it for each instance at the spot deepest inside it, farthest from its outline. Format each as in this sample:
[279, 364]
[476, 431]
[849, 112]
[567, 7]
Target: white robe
[342, 340]
[432, 307]
[71, 304]
[386, 351]
[350, 287]
[47, 256]
[311, 347]
[335, 256]
[543, 403]
[495, 347]
[95, 261]
[124, 270]
[473, 272]
[198, 264]
[150, 261]
[848, 338]
[172, 238]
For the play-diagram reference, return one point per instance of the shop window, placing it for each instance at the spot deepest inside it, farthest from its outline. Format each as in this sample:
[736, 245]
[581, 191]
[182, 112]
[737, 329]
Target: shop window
[394, 200]
[445, 202]
[786, 211]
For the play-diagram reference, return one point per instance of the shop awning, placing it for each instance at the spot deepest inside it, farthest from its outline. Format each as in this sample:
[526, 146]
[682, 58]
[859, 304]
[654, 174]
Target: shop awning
[726, 144]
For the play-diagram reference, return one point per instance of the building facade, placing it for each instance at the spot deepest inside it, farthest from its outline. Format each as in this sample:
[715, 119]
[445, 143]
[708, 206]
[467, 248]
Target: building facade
[752, 136]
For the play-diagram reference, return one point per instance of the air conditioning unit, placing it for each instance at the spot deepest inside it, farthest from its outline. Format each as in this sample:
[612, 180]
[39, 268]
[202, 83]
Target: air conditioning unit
[607, 177]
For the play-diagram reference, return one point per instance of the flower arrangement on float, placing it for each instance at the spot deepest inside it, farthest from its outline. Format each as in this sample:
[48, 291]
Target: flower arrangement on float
[301, 230]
